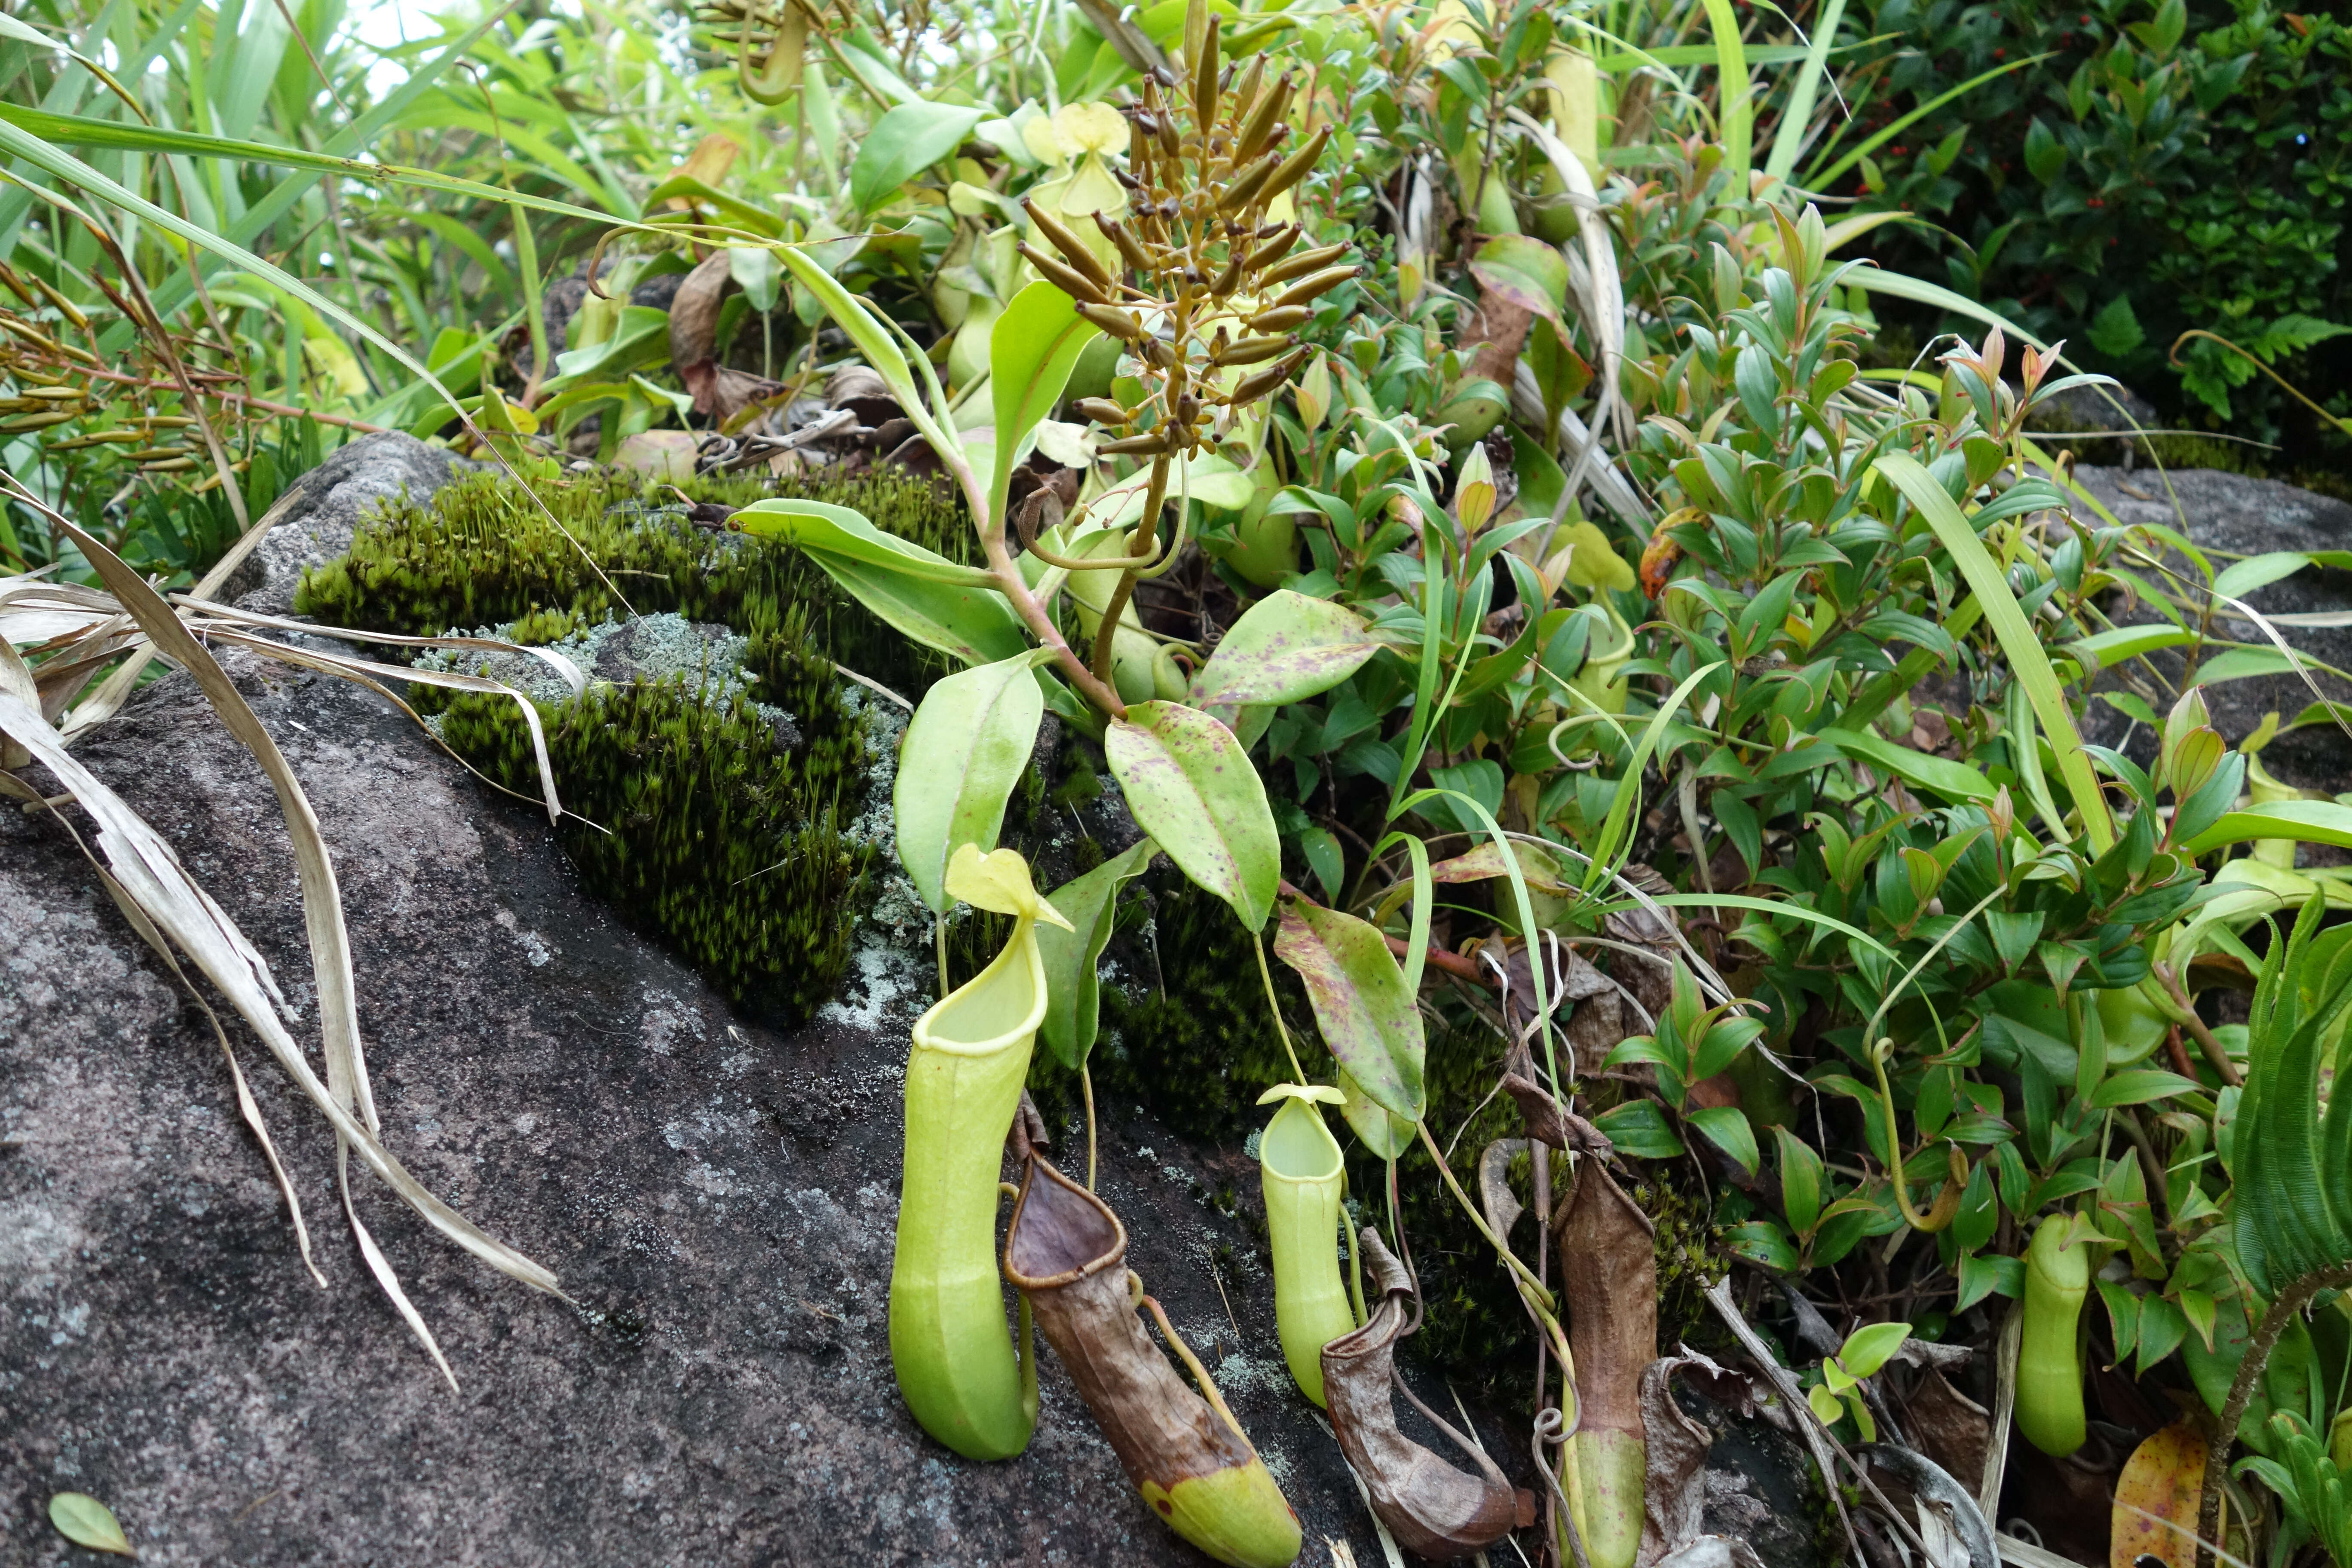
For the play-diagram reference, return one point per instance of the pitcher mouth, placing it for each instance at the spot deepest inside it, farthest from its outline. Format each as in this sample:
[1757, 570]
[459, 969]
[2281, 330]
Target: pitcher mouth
[1060, 1233]
[1293, 1135]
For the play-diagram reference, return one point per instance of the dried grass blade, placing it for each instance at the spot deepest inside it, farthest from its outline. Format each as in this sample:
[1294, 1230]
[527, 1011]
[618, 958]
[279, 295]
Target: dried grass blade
[387, 1281]
[151, 874]
[247, 1106]
[571, 673]
[353, 669]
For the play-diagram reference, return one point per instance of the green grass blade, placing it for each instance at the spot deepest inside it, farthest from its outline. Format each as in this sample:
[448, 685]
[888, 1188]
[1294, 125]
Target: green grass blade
[2023, 648]
[1629, 787]
[115, 135]
[1788, 138]
[19, 142]
[1735, 106]
[1818, 178]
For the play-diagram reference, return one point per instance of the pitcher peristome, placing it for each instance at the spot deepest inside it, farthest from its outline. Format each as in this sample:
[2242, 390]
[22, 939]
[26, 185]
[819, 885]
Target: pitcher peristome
[949, 1344]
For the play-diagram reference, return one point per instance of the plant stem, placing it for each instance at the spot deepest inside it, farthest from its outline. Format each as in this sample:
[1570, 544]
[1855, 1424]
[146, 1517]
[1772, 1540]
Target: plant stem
[2284, 1311]
[2214, 1050]
[1142, 545]
[940, 939]
[1087, 1084]
[1529, 1284]
[1297, 1073]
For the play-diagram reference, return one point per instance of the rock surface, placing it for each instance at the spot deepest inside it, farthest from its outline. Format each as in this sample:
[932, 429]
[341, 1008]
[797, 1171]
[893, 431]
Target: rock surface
[718, 1198]
[2230, 512]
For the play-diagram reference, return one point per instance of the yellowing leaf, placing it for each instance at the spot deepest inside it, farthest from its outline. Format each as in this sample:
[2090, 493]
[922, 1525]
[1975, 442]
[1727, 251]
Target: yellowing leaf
[1595, 563]
[86, 1521]
[2155, 1501]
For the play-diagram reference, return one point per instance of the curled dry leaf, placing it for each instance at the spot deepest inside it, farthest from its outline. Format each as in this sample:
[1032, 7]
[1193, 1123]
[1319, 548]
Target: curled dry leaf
[1428, 1505]
[1948, 1514]
[1547, 1123]
[719, 391]
[1609, 1276]
[1674, 1491]
[1714, 1551]
[1066, 1252]
[1949, 1427]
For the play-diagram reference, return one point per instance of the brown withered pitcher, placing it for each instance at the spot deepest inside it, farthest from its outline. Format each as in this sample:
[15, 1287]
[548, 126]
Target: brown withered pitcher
[1428, 1505]
[1066, 1252]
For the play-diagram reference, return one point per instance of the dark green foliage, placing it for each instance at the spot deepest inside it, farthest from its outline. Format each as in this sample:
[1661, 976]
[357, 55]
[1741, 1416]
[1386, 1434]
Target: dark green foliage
[482, 555]
[2165, 169]
[688, 816]
[697, 827]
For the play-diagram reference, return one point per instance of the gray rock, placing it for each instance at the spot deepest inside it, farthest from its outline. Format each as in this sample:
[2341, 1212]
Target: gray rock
[319, 510]
[717, 1196]
[2223, 511]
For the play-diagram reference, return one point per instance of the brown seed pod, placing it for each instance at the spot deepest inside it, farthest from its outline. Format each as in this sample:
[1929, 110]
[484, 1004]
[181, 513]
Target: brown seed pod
[1101, 411]
[1150, 444]
[1300, 265]
[1205, 79]
[1294, 167]
[1247, 186]
[1070, 245]
[1258, 128]
[1066, 1252]
[1281, 320]
[1069, 279]
[1312, 287]
[1246, 96]
[1158, 352]
[1429, 1506]
[1253, 387]
[1249, 351]
[1128, 250]
[1121, 324]
[1229, 277]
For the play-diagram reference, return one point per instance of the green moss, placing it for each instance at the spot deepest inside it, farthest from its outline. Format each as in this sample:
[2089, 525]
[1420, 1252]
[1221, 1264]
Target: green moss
[481, 553]
[698, 829]
[688, 809]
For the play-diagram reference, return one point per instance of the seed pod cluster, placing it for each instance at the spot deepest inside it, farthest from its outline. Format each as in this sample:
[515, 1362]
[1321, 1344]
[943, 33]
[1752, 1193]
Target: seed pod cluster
[1207, 287]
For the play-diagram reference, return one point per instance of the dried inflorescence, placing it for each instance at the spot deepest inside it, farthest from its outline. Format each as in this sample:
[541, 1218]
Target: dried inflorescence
[1207, 291]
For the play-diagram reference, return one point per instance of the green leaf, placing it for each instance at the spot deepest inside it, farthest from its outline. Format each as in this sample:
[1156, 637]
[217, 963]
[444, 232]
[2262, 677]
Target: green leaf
[641, 338]
[904, 143]
[1368, 1015]
[1868, 1349]
[1326, 858]
[1825, 1404]
[2305, 821]
[1726, 1127]
[2116, 331]
[1378, 1130]
[1638, 1128]
[2045, 155]
[1072, 995]
[1938, 775]
[1620, 804]
[1525, 271]
[1191, 786]
[2016, 636]
[1796, 119]
[873, 340]
[1031, 351]
[2140, 1086]
[1761, 1242]
[1801, 1180]
[1285, 648]
[2113, 647]
[1737, 113]
[2242, 577]
[931, 599]
[966, 748]
[86, 1521]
